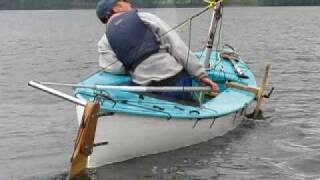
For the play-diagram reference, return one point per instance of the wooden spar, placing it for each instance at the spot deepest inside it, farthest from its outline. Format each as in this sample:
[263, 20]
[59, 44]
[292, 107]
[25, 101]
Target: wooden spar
[252, 89]
[135, 88]
[258, 91]
[85, 140]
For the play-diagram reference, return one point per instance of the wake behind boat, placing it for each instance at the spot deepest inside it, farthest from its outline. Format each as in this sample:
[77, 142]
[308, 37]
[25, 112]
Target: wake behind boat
[135, 121]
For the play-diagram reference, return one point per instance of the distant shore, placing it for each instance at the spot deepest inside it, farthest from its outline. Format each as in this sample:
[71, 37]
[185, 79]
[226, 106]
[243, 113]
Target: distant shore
[91, 4]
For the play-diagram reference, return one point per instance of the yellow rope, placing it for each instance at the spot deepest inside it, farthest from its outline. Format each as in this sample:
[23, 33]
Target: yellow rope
[179, 28]
[213, 3]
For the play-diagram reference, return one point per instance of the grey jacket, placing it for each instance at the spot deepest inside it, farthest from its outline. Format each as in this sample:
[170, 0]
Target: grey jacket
[169, 61]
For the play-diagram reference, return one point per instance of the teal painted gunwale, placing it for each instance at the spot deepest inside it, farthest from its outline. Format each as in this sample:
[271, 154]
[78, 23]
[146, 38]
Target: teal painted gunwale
[228, 101]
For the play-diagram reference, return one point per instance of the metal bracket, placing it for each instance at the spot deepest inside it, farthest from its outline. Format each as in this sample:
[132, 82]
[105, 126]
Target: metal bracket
[212, 123]
[195, 123]
[269, 93]
[100, 144]
[101, 114]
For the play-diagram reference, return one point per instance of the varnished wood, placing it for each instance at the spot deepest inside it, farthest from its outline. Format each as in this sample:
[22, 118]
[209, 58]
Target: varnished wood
[258, 91]
[242, 87]
[261, 91]
[85, 140]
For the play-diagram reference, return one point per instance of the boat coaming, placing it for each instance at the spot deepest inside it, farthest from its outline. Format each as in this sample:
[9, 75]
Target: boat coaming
[131, 136]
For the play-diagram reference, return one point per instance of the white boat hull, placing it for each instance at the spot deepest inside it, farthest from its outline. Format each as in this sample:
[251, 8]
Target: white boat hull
[134, 136]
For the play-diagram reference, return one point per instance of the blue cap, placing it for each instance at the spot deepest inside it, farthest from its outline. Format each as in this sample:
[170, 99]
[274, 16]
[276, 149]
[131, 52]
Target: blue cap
[103, 7]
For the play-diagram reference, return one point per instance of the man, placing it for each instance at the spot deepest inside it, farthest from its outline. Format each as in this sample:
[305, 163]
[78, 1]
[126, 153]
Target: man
[137, 43]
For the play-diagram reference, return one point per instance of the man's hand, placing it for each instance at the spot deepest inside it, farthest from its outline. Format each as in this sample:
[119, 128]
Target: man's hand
[213, 85]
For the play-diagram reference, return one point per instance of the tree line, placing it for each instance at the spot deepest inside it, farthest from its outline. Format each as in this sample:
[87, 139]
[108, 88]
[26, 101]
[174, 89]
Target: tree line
[83, 4]
[289, 2]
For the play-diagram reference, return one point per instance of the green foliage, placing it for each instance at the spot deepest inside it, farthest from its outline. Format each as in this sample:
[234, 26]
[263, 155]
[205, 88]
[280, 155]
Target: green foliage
[289, 2]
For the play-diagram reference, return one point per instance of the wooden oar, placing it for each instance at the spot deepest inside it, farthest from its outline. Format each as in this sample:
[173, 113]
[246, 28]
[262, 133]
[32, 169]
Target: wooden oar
[258, 91]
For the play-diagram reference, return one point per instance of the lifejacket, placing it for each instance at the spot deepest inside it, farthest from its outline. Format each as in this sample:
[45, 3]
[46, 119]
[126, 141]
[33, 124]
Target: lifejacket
[130, 39]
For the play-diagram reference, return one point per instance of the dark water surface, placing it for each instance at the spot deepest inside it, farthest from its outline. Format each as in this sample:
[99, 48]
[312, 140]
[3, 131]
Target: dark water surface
[37, 130]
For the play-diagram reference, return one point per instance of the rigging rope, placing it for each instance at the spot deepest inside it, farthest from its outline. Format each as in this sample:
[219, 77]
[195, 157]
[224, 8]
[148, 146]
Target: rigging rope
[211, 4]
[183, 23]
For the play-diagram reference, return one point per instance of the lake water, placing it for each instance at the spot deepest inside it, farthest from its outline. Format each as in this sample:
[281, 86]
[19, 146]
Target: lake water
[37, 130]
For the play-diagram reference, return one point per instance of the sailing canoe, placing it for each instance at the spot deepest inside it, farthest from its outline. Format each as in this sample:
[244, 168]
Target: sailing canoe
[141, 124]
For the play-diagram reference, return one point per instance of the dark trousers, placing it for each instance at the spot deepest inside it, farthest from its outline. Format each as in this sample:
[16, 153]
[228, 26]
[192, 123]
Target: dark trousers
[180, 79]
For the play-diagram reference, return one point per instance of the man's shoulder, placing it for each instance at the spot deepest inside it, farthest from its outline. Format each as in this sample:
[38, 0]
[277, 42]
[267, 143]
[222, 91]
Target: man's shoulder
[148, 15]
